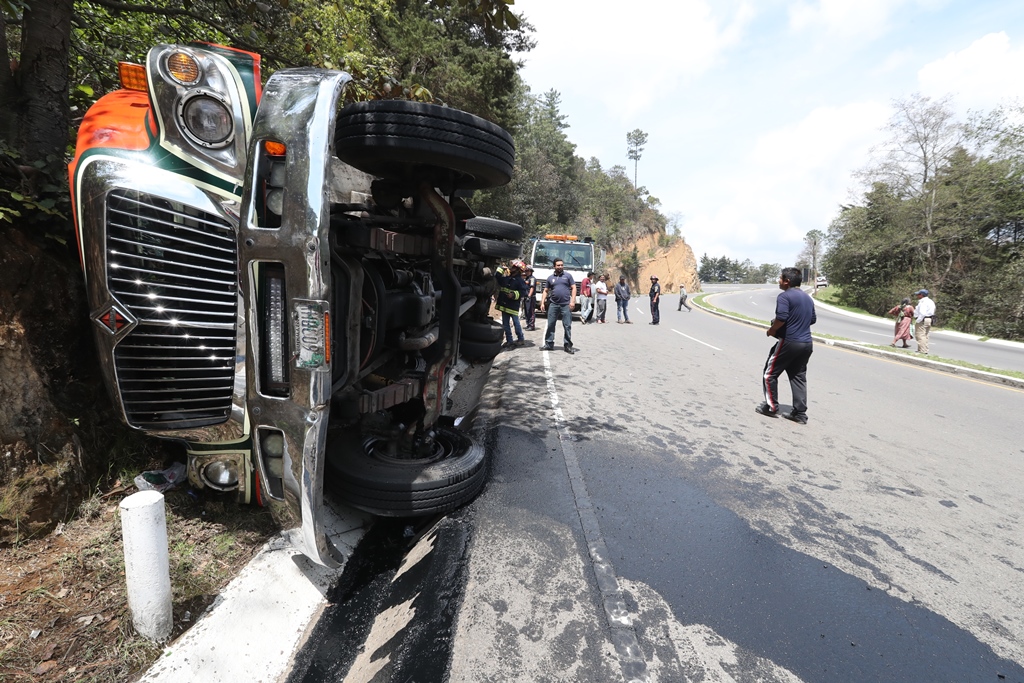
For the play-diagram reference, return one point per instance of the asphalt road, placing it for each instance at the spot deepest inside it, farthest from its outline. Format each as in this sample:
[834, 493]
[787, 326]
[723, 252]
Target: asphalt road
[759, 302]
[643, 523]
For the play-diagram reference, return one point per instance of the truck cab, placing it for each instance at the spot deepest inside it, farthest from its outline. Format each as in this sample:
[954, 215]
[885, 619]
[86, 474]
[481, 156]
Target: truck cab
[576, 254]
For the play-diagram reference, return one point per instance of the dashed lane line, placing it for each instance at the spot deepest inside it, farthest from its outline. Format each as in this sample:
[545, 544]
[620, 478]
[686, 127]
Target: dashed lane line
[697, 340]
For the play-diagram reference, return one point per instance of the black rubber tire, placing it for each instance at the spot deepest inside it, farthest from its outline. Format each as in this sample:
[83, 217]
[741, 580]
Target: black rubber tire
[491, 248]
[481, 331]
[493, 227]
[411, 488]
[397, 139]
[480, 350]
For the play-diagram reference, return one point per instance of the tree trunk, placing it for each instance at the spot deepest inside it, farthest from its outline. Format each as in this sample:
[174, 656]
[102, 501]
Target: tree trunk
[38, 90]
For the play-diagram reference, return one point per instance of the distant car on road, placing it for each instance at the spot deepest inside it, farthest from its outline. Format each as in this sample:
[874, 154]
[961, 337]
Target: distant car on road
[822, 281]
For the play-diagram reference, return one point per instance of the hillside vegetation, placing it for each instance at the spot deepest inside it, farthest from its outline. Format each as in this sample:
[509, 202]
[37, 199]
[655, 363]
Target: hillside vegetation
[943, 210]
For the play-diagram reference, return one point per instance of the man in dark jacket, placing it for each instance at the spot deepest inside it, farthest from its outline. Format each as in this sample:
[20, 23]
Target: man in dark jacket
[655, 300]
[622, 295]
[530, 303]
[794, 315]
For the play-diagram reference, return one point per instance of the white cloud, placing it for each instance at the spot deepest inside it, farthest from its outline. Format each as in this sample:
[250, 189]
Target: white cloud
[793, 179]
[636, 52]
[981, 76]
[861, 18]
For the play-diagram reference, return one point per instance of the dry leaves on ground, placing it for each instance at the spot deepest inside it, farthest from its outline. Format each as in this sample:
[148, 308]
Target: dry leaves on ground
[63, 605]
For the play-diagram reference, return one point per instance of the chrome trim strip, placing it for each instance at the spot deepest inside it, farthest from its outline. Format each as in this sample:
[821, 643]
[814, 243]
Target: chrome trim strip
[298, 108]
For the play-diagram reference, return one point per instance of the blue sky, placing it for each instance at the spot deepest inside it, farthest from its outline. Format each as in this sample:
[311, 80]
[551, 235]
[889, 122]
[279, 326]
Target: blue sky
[758, 113]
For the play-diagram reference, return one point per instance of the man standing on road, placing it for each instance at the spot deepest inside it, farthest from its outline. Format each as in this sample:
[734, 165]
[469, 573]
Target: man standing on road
[600, 299]
[794, 315]
[585, 298]
[530, 304]
[655, 300]
[682, 299]
[557, 301]
[622, 295]
[924, 314]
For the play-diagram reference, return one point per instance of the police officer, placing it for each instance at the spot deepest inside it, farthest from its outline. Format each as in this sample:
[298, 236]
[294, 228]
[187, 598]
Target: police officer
[655, 300]
[530, 303]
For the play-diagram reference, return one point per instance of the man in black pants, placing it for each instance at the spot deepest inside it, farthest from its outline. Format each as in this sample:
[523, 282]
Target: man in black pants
[655, 301]
[794, 315]
[557, 300]
[530, 302]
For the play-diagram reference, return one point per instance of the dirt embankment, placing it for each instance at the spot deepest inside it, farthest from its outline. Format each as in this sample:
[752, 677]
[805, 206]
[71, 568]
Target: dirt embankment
[674, 265]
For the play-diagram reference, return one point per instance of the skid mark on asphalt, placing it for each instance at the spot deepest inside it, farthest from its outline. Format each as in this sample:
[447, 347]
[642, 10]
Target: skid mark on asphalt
[392, 615]
[685, 652]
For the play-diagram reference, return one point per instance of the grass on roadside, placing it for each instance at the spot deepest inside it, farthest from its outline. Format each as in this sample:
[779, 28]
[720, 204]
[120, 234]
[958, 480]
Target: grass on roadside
[65, 612]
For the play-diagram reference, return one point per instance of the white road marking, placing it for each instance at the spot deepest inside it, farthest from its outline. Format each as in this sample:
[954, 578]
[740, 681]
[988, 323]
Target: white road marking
[879, 334]
[697, 340]
[625, 645]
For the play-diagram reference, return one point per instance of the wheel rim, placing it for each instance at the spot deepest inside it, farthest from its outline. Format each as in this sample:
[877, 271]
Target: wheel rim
[445, 445]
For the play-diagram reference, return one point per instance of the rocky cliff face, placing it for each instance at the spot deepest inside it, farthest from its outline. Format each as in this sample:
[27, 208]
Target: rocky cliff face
[674, 266]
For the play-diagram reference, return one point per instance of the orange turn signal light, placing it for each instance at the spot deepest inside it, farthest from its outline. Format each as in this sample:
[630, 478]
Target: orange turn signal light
[275, 149]
[133, 76]
[183, 68]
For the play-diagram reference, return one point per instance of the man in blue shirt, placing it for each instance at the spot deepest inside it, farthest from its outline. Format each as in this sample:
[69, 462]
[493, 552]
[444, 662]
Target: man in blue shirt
[794, 315]
[558, 298]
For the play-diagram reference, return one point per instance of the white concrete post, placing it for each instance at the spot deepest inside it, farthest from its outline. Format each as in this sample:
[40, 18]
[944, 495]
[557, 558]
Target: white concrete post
[146, 565]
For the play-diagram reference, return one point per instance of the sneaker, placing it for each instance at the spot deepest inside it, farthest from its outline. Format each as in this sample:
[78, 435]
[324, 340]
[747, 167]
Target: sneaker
[629, 322]
[652, 323]
[765, 410]
[568, 349]
[799, 418]
[520, 342]
[508, 345]
[548, 347]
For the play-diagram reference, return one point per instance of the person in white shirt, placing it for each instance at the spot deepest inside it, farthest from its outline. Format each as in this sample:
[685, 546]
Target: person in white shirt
[601, 290]
[924, 314]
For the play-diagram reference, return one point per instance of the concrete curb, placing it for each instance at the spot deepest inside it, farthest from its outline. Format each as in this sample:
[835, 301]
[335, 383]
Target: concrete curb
[981, 375]
[256, 625]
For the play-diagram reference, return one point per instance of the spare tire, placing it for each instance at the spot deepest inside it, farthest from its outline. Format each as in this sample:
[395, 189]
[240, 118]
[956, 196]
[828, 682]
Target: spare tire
[400, 139]
[488, 330]
[491, 248]
[493, 227]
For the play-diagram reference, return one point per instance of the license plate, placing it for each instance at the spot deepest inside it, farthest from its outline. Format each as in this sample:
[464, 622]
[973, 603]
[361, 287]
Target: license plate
[310, 334]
